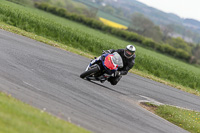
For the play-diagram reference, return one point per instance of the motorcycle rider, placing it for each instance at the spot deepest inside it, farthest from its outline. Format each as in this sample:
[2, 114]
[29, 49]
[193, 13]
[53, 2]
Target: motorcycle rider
[128, 56]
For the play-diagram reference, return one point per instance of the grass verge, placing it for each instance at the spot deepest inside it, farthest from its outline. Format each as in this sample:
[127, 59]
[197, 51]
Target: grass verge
[186, 119]
[17, 117]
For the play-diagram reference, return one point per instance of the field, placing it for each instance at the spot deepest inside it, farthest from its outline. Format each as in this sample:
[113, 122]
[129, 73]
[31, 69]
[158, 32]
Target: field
[92, 41]
[112, 24]
[105, 15]
[114, 19]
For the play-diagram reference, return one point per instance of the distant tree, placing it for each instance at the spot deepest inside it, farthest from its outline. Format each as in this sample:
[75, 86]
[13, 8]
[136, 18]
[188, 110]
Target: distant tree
[145, 26]
[196, 54]
[91, 13]
[174, 30]
[109, 9]
[120, 12]
[166, 30]
[60, 4]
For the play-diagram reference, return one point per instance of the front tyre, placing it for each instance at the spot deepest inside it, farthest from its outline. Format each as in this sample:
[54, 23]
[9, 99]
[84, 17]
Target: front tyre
[90, 72]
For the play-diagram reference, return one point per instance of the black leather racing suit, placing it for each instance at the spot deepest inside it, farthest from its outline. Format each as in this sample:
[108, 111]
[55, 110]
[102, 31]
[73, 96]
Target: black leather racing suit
[128, 63]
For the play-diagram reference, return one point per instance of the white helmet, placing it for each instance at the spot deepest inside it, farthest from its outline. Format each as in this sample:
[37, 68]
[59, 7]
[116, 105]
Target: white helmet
[129, 51]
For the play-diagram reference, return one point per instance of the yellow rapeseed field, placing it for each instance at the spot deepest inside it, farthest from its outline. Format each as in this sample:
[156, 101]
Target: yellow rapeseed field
[112, 24]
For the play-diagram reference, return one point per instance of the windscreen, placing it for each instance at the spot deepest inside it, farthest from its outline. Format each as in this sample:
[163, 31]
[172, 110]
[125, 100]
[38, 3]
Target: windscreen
[117, 60]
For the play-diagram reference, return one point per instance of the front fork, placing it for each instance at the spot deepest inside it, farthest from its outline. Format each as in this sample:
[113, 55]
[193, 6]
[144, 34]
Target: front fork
[92, 62]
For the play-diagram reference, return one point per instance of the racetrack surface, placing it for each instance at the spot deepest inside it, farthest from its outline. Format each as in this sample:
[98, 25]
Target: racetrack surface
[48, 78]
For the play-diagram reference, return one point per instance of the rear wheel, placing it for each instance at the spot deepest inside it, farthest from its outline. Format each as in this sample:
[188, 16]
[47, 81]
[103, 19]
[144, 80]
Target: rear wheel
[90, 72]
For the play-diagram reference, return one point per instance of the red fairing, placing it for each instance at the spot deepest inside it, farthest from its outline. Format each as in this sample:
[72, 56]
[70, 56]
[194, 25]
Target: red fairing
[108, 63]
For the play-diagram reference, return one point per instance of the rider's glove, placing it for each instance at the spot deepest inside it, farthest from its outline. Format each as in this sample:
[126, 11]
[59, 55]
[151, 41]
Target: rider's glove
[117, 73]
[106, 52]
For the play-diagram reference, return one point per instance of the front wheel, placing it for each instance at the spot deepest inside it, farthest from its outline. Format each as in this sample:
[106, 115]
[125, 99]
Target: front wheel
[90, 72]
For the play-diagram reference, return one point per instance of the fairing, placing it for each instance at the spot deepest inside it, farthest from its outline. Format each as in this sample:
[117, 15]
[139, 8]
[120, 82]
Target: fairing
[113, 61]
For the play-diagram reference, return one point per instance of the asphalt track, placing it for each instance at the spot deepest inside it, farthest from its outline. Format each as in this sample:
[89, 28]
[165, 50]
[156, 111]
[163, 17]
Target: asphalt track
[48, 78]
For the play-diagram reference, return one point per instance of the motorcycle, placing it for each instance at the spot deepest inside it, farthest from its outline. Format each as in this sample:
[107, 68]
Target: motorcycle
[103, 67]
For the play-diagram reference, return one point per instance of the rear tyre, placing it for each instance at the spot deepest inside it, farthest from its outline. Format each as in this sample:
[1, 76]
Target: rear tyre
[90, 72]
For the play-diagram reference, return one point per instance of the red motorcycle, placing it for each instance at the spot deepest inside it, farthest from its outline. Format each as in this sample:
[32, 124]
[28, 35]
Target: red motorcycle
[103, 67]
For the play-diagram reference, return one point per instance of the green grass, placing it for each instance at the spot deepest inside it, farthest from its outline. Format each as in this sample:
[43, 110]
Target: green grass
[186, 119]
[93, 42]
[17, 117]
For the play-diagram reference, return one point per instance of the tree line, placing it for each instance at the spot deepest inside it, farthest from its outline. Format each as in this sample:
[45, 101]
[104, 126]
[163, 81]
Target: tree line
[144, 26]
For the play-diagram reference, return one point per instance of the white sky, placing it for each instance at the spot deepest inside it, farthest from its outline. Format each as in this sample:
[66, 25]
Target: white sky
[182, 8]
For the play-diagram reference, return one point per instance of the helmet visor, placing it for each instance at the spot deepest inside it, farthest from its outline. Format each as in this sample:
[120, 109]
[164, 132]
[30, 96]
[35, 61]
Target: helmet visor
[129, 53]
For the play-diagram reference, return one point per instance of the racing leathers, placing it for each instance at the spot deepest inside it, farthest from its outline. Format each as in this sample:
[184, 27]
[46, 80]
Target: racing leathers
[128, 63]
